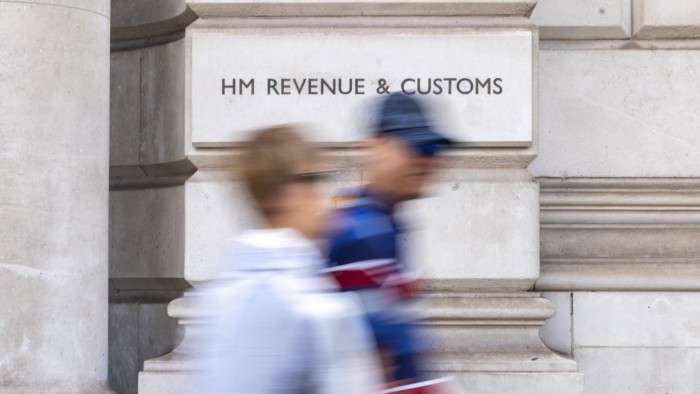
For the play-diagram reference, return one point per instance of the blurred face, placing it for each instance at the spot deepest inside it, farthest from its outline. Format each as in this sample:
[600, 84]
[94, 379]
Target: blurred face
[399, 169]
[304, 202]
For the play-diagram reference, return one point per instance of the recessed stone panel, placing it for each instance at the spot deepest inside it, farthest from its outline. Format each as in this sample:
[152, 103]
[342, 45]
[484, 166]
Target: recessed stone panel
[575, 19]
[479, 82]
[655, 19]
[622, 319]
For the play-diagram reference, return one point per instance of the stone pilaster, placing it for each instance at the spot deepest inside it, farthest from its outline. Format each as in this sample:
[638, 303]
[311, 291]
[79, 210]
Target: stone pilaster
[54, 133]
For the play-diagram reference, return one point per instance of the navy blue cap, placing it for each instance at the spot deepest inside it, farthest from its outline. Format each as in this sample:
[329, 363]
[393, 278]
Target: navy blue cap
[401, 116]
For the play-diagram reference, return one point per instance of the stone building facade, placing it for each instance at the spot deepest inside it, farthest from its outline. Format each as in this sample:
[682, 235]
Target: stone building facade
[560, 249]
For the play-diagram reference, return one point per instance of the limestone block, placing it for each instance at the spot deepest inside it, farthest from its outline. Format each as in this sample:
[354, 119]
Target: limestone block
[556, 332]
[659, 19]
[642, 319]
[125, 108]
[639, 370]
[124, 347]
[146, 232]
[476, 233]
[162, 103]
[590, 19]
[215, 212]
[605, 113]
[217, 209]
[521, 383]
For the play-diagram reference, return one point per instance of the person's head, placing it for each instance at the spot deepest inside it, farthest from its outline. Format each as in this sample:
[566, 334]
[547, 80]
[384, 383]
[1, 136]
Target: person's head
[403, 151]
[282, 172]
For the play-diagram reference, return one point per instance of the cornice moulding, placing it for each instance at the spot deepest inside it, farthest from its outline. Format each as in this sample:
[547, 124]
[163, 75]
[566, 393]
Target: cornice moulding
[291, 8]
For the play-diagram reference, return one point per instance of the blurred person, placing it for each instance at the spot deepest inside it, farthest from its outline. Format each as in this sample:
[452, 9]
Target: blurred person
[278, 326]
[364, 253]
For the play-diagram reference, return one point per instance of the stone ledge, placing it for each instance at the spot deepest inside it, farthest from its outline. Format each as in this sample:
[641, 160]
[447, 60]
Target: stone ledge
[146, 290]
[145, 21]
[349, 158]
[606, 275]
[282, 8]
[149, 176]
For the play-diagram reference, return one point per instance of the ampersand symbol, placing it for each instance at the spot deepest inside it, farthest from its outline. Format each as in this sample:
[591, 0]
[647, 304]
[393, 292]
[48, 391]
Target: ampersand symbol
[383, 88]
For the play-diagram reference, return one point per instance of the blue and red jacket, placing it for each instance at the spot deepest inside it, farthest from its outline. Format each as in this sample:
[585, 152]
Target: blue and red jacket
[364, 257]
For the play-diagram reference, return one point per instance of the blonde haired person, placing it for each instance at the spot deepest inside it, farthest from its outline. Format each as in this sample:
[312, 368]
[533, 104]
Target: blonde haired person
[281, 326]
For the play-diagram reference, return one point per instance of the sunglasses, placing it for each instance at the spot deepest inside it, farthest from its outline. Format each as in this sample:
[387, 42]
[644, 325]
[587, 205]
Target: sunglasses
[311, 176]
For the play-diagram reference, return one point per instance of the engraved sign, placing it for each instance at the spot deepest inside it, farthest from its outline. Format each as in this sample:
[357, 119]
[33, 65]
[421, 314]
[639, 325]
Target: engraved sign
[479, 84]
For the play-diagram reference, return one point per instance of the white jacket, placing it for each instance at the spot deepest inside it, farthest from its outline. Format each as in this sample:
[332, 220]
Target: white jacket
[279, 327]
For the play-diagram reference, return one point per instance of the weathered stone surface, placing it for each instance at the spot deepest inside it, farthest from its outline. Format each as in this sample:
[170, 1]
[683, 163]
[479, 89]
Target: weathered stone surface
[124, 348]
[594, 122]
[54, 160]
[125, 108]
[525, 383]
[215, 212]
[163, 103]
[458, 242]
[654, 19]
[556, 332]
[639, 370]
[641, 319]
[573, 19]
[232, 95]
[99, 7]
[147, 232]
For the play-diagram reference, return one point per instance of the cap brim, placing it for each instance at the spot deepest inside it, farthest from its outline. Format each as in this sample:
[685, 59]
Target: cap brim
[421, 136]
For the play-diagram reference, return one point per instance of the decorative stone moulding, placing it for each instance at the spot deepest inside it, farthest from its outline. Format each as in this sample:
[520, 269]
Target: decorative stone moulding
[148, 22]
[287, 8]
[620, 234]
[662, 19]
[575, 19]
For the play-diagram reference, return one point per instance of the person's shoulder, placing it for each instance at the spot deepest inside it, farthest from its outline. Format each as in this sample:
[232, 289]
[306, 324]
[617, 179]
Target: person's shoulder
[358, 213]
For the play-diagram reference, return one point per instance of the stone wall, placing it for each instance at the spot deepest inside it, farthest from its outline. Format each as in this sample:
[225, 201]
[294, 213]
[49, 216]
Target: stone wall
[618, 171]
[147, 172]
[616, 168]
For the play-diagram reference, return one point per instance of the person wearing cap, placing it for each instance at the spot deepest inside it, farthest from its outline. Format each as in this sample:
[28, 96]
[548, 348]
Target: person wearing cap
[364, 253]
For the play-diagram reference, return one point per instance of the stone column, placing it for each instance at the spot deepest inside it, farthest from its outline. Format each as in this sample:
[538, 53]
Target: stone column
[54, 161]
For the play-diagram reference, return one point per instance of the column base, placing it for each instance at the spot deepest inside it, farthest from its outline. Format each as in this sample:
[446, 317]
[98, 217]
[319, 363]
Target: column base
[489, 343]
